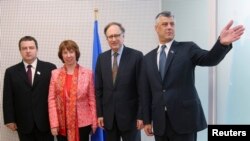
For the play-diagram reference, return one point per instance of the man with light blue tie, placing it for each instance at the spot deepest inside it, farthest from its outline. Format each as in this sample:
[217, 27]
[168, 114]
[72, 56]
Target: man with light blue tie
[172, 110]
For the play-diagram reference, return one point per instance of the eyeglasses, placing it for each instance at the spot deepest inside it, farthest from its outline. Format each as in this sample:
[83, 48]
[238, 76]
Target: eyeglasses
[114, 36]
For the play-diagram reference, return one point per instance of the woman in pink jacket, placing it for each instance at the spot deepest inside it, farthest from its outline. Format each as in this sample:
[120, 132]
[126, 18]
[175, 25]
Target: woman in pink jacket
[72, 105]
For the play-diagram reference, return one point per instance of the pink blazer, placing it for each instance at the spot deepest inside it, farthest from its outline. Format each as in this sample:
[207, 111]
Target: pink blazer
[86, 104]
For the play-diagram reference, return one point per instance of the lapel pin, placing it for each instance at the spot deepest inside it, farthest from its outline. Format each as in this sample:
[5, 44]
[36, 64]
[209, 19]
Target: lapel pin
[172, 51]
[38, 72]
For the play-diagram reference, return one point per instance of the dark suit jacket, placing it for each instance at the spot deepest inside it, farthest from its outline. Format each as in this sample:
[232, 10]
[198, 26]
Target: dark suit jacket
[177, 91]
[122, 99]
[24, 104]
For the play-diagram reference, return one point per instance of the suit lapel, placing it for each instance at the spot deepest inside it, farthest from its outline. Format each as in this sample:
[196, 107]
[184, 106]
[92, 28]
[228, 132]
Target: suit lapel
[107, 61]
[38, 73]
[171, 53]
[22, 73]
[155, 67]
[122, 65]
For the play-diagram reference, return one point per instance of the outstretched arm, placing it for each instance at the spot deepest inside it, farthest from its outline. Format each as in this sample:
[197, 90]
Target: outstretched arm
[230, 34]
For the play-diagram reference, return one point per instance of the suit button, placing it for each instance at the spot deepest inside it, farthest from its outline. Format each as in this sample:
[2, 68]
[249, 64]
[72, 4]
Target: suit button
[164, 90]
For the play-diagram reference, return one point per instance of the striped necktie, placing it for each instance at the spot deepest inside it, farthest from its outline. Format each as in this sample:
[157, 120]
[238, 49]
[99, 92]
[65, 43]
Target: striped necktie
[115, 67]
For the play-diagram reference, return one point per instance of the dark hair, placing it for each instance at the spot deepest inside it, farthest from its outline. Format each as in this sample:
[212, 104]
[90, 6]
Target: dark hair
[114, 23]
[69, 45]
[27, 38]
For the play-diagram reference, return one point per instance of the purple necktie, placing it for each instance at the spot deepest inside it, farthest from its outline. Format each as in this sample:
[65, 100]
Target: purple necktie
[29, 74]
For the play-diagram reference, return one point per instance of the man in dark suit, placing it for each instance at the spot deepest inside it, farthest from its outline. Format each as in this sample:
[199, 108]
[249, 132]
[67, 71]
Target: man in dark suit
[25, 105]
[116, 81]
[170, 99]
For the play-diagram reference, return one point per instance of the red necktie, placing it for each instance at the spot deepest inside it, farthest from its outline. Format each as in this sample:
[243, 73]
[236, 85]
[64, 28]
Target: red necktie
[29, 74]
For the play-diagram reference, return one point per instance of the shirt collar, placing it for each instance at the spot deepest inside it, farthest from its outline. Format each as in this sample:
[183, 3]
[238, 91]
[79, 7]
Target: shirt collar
[119, 50]
[33, 64]
[168, 44]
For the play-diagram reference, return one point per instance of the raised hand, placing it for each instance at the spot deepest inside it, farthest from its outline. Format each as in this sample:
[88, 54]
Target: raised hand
[230, 34]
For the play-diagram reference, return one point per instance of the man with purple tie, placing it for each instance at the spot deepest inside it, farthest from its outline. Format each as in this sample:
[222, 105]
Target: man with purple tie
[25, 94]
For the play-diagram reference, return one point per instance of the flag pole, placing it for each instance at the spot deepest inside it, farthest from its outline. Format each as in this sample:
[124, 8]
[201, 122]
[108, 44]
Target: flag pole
[96, 13]
[99, 134]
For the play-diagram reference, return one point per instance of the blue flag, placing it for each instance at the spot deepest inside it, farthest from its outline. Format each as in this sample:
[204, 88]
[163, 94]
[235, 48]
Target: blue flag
[96, 45]
[99, 134]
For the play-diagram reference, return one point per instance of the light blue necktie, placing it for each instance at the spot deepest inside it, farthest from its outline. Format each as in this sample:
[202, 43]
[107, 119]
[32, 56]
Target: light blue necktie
[162, 62]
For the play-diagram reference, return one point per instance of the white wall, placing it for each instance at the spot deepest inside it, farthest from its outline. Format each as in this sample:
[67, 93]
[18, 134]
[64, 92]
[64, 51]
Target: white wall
[234, 71]
[52, 21]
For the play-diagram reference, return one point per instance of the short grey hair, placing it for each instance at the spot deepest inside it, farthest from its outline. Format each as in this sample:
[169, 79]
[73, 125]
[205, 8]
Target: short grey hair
[163, 14]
